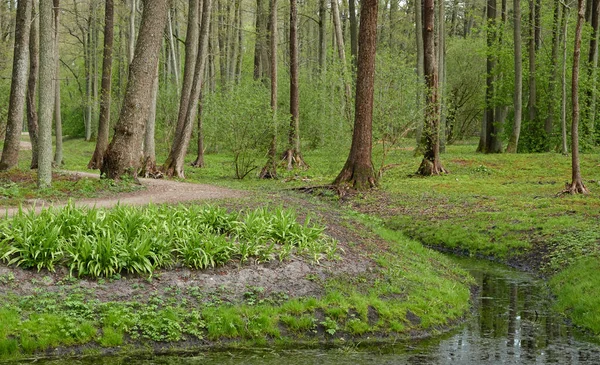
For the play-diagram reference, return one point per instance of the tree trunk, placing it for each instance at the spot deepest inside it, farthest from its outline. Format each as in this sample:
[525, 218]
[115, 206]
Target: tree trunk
[553, 73]
[590, 108]
[173, 54]
[260, 39]
[358, 171]
[149, 165]
[563, 80]
[123, 153]
[105, 92]
[47, 73]
[537, 25]
[532, 107]
[32, 116]
[322, 30]
[420, 83]
[339, 38]
[353, 32]
[18, 87]
[513, 142]
[490, 130]
[174, 165]
[293, 155]
[199, 162]
[431, 164]
[269, 171]
[58, 149]
[441, 53]
[576, 186]
[132, 10]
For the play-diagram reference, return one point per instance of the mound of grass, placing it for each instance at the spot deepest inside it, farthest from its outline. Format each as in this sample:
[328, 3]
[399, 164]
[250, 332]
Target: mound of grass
[102, 243]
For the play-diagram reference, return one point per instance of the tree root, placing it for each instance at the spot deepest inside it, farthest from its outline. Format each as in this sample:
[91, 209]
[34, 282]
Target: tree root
[576, 187]
[431, 168]
[293, 159]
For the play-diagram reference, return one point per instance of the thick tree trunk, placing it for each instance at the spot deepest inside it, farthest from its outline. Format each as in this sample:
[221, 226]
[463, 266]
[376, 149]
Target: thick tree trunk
[47, 73]
[576, 186]
[18, 87]
[123, 153]
[293, 155]
[513, 142]
[174, 165]
[358, 171]
[58, 148]
[563, 80]
[431, 164]
[105, 92]
[269, 171]
[32, 116]
[339, 38]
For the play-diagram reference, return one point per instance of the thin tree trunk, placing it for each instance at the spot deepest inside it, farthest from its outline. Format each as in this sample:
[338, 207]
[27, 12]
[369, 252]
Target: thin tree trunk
[18, 87]
[420, 77]
[240, 48]
[87, 46]
[293, 156]
[353, 32]
[442, 72]
[269, 171]
[431, 164]
[339, 37]
[47, 73]
[174, 165]
[32, 116]
[58, 149]
[532, 107]
[576, 186]
[322, 30]
[105, 92]
[513, 142]
[260, 39]
[490, 129]
[199, 162]
[123, 153]
[173, 56]
[565, 23]
[358, 170]
[149, 165]
[132, 11]
[553, 73]
[590, 109]
[537, 25]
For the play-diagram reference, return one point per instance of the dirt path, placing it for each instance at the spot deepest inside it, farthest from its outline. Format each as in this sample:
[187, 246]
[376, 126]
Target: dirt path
[158, 191]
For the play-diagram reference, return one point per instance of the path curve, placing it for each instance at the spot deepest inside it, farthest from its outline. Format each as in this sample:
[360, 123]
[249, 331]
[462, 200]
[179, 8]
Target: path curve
[158, 191]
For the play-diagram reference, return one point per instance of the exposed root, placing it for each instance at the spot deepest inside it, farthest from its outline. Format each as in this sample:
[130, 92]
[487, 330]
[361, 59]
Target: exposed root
[293, 159]
[149, 169]
[576, 187]
[431, 168]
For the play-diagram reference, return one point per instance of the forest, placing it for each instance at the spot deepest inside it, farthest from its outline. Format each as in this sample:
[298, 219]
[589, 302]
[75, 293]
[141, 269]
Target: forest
[297, 175]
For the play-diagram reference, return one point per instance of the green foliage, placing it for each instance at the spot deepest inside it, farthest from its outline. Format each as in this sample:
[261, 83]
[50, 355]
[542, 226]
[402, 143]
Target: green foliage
[103, 243]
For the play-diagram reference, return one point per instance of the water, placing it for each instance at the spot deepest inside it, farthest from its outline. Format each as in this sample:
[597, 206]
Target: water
[513, 324]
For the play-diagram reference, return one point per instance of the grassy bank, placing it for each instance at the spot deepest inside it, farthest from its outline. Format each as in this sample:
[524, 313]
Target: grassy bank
[379, 284]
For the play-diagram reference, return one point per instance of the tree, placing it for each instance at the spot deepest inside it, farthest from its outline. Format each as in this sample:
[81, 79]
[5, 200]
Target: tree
[431, 164]
[533, 44]
[18, 87]
[269, 171]
[576, 186]
[47, 73]
[339, 39]
[32, 115]
[493, 142]
[513, 142]
[293, 155]
[358, 170]
[123, 153]
[58, 150]
[105, 88]
[563, 80]
[419, 37]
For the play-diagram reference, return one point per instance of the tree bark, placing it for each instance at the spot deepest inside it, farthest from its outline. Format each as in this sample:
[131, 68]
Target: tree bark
[123, 153]
[532, 107]
[576, 186]
[339, 38]
[590, 108]
[358, 171]
[431, 164]
[269, 171]
[563, 80]
[420, 77]
[199, 162]
[492, 139]
[293, 155]
[32, 116]
[18, 87]
[106, 86]
[47, 73]
[353, 32]
[149, 165]
[132, 10]
[174, 165]
[513, 142]
[441, 53]
[260, 39]
[58, 148]
[322, 30]
[548, 125]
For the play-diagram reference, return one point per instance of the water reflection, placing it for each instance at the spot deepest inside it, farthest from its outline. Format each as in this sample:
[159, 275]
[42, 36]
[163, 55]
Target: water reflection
[514, 324]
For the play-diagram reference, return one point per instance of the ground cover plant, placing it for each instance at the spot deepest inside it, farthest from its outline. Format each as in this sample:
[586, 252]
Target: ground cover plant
[394, 288]
[103, 243]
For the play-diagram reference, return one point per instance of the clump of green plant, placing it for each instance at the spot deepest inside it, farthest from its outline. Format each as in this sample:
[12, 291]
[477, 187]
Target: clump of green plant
[103, 243]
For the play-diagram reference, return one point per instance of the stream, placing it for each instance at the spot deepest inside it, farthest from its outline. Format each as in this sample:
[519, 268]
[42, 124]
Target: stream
[513, 324]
